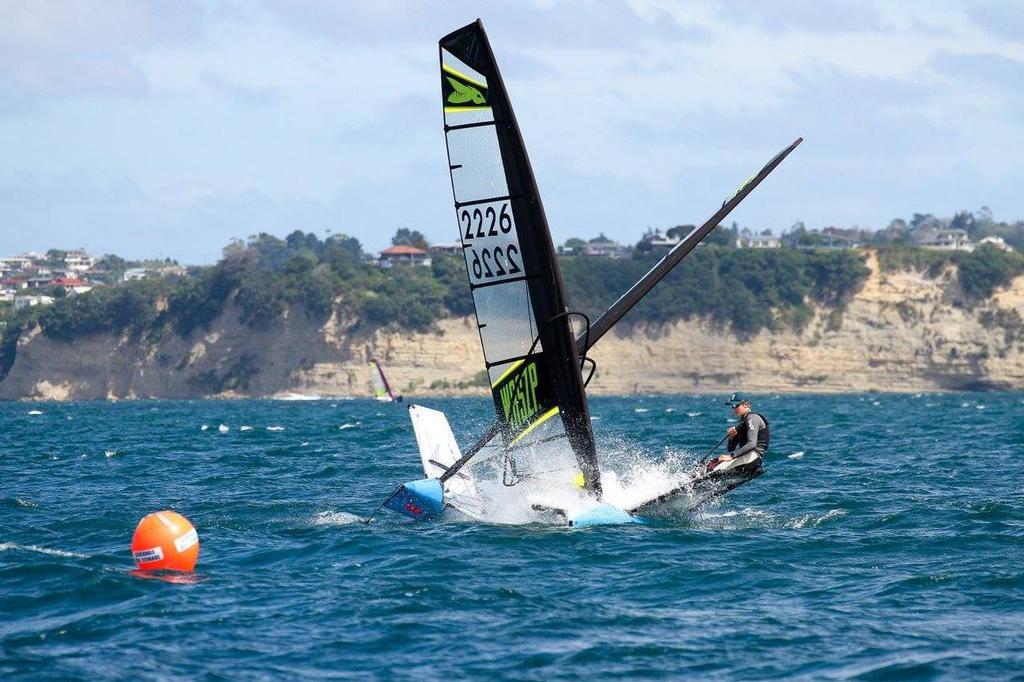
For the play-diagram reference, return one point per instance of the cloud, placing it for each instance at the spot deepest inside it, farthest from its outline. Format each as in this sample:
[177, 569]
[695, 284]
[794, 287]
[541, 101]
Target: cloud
[1004, 18]
[248, 96]
[996, 69]
[820, 16]
[174, 127]
[86, 48]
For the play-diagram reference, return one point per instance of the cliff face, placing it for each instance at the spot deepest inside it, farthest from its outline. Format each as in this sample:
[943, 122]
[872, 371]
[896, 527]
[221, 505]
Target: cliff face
[901, 332]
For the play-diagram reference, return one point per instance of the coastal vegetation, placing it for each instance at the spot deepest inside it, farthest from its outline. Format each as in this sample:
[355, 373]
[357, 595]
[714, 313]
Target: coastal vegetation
[979, 272]
[745, 290]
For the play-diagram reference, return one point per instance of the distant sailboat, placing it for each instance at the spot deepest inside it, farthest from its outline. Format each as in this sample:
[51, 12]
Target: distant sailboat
[381, 387]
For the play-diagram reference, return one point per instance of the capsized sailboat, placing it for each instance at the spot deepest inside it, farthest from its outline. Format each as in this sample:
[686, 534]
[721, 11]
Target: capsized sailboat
[541, 442]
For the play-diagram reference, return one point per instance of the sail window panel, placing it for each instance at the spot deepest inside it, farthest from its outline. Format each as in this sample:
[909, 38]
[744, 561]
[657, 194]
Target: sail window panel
[463, 69]
[477, 172]
[507, 326]
[462, 116]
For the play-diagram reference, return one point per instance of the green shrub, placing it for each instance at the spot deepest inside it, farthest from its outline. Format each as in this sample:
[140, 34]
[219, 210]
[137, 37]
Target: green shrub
[987, 268]
[899, 258]
[746, 289]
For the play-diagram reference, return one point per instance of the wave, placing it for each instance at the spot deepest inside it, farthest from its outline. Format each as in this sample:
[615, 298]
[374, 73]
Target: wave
[813, 520]
[4, 546]
[332, 518]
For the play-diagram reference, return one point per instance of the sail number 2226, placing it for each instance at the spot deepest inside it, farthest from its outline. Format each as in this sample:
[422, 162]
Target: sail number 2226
[499, 258]
[477, 224]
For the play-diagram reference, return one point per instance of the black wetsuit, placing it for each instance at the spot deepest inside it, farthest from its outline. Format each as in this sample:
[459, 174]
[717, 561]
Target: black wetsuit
[752, 435]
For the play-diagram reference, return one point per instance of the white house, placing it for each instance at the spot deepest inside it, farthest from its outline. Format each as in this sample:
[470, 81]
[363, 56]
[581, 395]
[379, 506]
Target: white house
[997, 242]
[78, 260]
[607, 248]
[453, 249]
[657, 240]
[31, 301]
[947, 240]
[759, 241]
[133, 274]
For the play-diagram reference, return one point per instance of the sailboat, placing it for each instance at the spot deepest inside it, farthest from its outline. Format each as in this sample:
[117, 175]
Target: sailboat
[381, 387]
[539, 455]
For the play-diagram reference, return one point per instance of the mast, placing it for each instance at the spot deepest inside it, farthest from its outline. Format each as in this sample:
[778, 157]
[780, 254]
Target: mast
[529, 348]
[384, 379]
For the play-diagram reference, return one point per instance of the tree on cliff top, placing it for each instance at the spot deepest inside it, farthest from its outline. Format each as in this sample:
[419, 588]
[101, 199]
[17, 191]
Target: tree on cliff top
[406, 237]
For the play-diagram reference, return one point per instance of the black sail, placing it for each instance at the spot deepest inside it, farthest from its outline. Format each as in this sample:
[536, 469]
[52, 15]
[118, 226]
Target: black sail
[528, 344]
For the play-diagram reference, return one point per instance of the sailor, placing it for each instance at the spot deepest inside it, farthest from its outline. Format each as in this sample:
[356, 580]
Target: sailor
[748, 440]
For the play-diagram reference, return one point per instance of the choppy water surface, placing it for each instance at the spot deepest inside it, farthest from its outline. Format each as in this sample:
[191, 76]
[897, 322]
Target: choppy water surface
[885, 542]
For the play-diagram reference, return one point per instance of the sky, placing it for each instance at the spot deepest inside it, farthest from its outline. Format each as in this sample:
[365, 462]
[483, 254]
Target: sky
[167, 129]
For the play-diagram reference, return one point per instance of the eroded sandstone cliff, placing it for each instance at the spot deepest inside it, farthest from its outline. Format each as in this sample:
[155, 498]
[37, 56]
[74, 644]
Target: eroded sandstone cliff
[902, 332]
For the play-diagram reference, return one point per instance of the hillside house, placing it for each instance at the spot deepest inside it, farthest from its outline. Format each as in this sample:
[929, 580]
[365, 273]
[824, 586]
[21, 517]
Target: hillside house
[14, 284]
[78, 261]
[758, 241]
[454, 249]
[603, 247]
[951, 239]
[71, 285]
[658, 241]
[997, 242]
[31, 301]
[403, 255]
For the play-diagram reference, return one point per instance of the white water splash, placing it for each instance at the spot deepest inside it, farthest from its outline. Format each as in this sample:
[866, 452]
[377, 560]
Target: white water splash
[4, 546]
[223, 428]
[694, 414]
[204, 427]
[814, 521]
[349, 425]
[275, 428]
[331, 518]
[640, 410]
[111, 453]
[797, 455]
[34, 413]
[245, 427]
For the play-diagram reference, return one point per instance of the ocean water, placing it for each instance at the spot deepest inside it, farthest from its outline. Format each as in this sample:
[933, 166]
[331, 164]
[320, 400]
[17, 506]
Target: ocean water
[886, 541]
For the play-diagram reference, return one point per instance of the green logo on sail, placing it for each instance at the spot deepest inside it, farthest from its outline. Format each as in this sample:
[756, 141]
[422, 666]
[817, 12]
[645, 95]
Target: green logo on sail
[464, 94]
[520, 402]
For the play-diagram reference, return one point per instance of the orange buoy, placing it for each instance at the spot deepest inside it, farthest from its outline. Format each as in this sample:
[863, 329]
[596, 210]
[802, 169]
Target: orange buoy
[165, 540]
